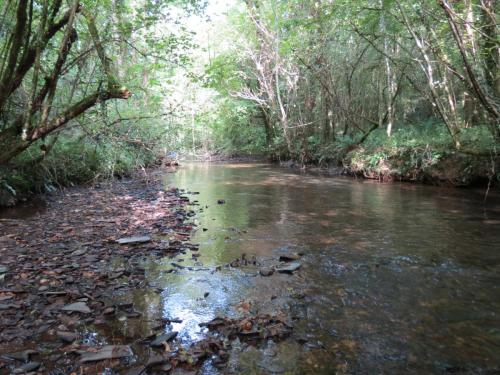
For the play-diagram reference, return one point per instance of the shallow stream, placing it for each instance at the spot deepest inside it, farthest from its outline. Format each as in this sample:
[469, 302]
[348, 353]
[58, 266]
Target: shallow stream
[394, 278]
[397, 277]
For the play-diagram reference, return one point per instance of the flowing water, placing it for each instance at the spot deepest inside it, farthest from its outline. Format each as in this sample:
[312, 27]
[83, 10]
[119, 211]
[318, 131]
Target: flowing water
[395, 278]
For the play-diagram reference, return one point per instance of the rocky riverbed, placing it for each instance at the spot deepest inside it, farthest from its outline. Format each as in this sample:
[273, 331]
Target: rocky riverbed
[69, 273]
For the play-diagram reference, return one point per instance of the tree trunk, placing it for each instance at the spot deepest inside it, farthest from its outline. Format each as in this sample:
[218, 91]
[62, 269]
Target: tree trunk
[12, 142]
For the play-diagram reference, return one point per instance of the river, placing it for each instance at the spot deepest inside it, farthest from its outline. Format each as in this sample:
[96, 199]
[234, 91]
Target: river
[395, 278]
[398, 277]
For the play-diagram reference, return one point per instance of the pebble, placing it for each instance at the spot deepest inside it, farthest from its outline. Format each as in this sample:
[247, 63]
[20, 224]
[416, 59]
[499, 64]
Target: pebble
[266, 271]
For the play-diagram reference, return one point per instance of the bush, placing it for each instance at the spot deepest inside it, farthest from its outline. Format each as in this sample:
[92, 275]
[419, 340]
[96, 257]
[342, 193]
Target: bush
[73, 160]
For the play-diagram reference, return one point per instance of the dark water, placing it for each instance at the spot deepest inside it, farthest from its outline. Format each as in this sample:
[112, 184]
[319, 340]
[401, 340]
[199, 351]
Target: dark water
[398, 278]
[23, 210]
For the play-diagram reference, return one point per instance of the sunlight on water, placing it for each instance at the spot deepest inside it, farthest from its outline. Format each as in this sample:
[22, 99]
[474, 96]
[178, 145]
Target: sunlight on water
[391, 270]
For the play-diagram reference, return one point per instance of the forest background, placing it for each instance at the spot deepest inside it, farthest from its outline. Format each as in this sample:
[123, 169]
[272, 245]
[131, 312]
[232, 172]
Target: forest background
[388, 89]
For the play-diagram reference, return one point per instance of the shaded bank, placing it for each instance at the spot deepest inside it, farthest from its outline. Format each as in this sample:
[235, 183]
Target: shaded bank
[418, 165]
[424, 166]
[62, 268]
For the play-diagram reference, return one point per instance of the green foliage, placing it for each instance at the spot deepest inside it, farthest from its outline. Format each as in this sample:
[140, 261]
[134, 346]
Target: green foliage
[235, 131]
[145, 45]
[75, 160]
[417, 151]
[305, 80]
[334, 152]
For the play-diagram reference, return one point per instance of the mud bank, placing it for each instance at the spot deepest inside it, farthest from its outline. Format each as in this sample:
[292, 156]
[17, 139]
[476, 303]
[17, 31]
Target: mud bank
[451, 169]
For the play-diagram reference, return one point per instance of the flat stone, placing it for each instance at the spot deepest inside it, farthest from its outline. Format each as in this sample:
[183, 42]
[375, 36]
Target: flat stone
[80, 307]
[109, 311]
[108, 352]
[289, 268]
[67, 336]
[163, 338]
[133, 240]
[4, 306]
[55, 293]
[266, 271]
[28, 367]
[4, 269]
[133, 314]
[21, 356]
[156, 360]
[78, 252]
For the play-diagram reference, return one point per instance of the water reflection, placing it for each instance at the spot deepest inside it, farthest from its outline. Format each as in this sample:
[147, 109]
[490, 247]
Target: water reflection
[25, 210]
[184, 297]
[398, 277]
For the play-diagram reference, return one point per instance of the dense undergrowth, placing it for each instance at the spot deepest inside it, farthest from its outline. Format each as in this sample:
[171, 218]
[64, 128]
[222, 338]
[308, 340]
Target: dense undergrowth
[422, 153]
[425, 154]
[70, 162]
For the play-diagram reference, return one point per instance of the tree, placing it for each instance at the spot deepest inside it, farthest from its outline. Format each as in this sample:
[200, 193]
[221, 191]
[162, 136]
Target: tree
[27, 54]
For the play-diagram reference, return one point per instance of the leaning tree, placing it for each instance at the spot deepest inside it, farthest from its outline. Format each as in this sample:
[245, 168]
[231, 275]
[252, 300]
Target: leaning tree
[43, 43]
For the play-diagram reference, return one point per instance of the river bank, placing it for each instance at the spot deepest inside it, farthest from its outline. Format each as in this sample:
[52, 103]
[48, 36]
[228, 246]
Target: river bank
[412, 165]
[415, 165]
[82, 278]
[64, 269]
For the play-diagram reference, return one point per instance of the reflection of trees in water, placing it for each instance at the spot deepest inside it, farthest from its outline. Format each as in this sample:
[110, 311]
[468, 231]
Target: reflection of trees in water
[384, 256]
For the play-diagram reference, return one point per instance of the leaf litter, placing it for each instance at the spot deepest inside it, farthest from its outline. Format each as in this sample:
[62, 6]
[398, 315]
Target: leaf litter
[59, 274]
